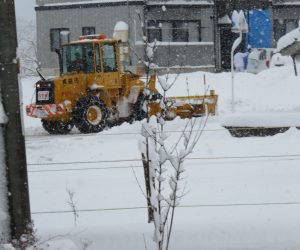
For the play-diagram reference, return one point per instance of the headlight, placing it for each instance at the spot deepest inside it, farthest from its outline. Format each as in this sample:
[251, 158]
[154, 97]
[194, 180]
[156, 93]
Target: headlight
[38, 85]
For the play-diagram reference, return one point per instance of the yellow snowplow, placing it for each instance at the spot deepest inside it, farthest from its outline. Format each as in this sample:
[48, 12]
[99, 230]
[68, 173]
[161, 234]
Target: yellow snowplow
[92, 92]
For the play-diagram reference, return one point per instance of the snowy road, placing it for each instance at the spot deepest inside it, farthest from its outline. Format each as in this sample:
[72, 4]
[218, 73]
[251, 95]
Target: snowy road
[232, 201]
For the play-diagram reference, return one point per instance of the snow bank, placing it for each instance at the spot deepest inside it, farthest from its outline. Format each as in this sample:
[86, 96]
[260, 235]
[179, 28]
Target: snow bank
[272, 90]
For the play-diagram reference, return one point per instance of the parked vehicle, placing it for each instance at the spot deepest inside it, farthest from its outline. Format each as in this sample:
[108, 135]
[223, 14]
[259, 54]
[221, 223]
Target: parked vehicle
[259, 59]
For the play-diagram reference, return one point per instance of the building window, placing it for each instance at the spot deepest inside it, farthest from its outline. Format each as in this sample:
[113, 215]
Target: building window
[194, 31]
[283, 26]
[180, 32]
[174, 31]
[279, 29]
[57, 37]
[166, 31]
[88, 31]
[154, 31]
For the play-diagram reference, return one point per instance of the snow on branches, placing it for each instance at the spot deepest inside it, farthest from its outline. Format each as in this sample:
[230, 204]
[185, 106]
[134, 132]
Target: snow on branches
[163, 156]
[163, 161]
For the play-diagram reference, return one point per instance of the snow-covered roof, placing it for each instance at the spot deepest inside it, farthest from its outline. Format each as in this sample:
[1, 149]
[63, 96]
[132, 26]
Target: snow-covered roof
[49, 3]
[150, 2]
[288, 2]
[288, 39]
[74, 2]
[180, 2]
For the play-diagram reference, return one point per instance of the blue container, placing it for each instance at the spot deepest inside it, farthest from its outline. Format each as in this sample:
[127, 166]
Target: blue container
[260, 29]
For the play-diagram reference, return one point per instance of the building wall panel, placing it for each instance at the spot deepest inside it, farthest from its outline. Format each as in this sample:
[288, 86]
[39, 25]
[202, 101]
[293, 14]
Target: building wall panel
[104, 19]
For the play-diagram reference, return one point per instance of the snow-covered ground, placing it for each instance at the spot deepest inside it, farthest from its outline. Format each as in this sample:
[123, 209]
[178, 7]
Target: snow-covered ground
[232, 203]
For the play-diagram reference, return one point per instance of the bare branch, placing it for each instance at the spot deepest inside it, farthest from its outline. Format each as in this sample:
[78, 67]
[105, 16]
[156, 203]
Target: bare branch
[145, 244]
[72, 204]
[139, 184]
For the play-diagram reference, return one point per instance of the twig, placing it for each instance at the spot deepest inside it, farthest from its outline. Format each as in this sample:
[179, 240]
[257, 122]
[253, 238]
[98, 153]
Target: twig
[145, 244]
[139, 184]
[72, 204]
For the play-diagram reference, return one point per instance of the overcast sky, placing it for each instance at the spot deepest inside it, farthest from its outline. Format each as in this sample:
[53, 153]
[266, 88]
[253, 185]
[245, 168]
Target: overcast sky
[25, 9]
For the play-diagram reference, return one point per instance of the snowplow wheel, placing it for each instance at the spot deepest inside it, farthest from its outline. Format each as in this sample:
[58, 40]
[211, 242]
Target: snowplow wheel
[57, 127]
[138, 112]
[90, 115]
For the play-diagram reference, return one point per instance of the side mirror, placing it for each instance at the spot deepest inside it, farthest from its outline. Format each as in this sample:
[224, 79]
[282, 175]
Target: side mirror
[58, 52]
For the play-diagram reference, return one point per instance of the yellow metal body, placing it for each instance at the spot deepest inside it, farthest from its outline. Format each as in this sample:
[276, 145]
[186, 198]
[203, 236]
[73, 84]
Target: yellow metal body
[188, 106]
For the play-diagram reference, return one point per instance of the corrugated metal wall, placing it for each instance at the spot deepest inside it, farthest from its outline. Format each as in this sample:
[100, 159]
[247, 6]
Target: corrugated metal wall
[103, 18]
[185, 54]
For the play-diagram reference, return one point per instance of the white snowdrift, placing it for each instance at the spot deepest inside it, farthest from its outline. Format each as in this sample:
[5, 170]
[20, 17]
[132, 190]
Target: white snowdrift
[274, 90]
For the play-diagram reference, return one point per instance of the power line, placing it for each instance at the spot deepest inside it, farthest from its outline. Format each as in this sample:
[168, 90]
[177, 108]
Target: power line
[189, 158]
[261, 204]
[81, 169]
[242, 157]
[82, 162]
[44, 137]
[107, 168]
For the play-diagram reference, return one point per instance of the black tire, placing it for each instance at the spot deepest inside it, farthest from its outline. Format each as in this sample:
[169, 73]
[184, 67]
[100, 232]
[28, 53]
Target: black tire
[90, 115]
[57, 127]
[138, 112]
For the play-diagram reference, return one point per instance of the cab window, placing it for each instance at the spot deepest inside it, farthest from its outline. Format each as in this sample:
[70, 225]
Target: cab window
[109, 58]
[78, 58]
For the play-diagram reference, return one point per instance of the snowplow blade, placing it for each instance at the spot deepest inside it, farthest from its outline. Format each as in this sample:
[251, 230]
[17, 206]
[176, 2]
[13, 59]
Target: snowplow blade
[187, 106]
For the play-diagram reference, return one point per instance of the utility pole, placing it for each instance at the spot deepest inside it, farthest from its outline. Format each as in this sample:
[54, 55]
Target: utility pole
[18, 194]
[216, 31]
